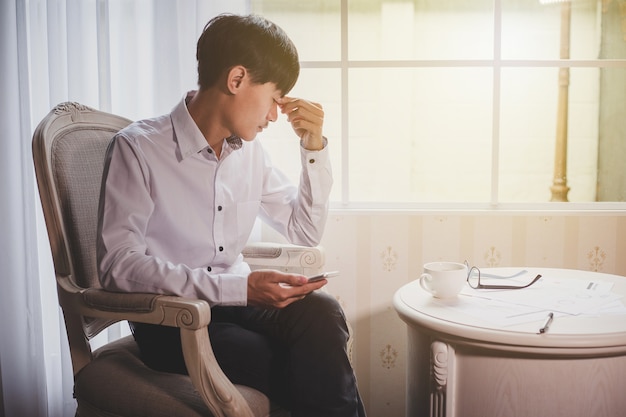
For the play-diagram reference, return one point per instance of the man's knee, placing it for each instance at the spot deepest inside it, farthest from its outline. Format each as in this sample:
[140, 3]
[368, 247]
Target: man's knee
[320, 312]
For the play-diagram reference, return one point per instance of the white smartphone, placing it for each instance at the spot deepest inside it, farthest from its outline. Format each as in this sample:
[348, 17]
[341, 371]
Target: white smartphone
[323, 275]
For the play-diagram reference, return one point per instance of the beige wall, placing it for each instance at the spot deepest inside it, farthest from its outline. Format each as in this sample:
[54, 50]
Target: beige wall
[379, 252]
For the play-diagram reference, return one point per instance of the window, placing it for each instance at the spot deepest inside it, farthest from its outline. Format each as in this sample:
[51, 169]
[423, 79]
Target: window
[481, 103]
[445, 103]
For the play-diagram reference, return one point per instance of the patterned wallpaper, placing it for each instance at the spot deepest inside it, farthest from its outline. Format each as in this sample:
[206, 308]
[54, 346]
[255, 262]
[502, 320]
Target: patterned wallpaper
[377, 253]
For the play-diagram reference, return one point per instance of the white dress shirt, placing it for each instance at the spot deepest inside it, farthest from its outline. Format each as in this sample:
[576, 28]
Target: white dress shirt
[174, 219]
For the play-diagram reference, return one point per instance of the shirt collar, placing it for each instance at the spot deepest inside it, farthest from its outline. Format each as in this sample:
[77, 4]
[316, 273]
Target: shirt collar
[190, 139]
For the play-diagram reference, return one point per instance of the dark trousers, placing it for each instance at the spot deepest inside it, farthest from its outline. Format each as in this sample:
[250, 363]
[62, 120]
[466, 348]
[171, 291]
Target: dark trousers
[295, 355]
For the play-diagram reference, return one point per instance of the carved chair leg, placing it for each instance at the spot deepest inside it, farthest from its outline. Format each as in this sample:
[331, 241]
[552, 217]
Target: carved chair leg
[220, 395]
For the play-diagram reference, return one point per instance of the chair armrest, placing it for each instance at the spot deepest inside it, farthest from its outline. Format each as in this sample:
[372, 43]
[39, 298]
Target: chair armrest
[285, 257]
[150, 308]
[145, 308]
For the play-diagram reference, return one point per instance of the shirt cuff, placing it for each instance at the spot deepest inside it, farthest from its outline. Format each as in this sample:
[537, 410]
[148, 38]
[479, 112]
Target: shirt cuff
[324, 142]
[234, 289]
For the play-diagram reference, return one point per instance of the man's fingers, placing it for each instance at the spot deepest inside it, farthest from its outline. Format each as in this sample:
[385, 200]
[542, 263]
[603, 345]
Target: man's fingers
[289, 105]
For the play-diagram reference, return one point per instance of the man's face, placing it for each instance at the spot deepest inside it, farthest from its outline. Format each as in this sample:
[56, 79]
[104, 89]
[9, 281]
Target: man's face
[256, 107]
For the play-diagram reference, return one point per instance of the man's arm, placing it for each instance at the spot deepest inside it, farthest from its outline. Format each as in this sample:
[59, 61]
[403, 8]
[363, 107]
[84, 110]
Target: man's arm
[310, 208]
[300, 213]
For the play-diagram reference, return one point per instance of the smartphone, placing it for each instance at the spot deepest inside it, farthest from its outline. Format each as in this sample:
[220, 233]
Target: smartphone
[323, 275]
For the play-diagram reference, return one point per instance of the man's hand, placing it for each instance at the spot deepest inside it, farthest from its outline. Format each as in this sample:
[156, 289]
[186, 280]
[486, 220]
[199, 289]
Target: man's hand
[265, 289]
[306, 118]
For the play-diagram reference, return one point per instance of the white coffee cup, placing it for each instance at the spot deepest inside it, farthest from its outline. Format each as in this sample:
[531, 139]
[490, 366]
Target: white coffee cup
[443, 279]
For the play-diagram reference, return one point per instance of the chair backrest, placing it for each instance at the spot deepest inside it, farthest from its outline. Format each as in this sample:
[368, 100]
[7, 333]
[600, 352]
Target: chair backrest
[69, 147]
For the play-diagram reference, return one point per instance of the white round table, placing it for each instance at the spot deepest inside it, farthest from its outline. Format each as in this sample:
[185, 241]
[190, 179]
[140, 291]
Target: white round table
[463, 363]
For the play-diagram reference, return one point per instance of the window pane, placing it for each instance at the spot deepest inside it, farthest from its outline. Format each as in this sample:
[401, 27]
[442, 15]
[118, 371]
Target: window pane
[420, 135]
[320, 86]
[313, 25]
[612, 135]
[530, 115]
[420, 29]
[532, 29]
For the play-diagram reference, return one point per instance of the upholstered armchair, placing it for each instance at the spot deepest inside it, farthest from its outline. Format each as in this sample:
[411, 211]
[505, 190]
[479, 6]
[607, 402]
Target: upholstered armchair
[68, 149]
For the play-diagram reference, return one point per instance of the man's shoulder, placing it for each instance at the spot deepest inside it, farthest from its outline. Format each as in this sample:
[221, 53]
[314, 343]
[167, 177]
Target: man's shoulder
[151, 129]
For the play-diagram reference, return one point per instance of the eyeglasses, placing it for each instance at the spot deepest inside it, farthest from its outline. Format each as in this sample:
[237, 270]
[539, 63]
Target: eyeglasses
[475, 283]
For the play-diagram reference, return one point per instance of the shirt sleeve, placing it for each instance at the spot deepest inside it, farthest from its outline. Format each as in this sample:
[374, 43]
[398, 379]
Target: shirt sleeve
[124, 261]
[299, 213]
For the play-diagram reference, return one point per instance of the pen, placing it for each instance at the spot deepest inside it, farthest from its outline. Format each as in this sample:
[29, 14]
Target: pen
[546, 324]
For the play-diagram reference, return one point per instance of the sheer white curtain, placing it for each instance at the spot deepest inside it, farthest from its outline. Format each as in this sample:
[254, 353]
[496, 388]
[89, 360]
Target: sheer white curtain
[131, 57]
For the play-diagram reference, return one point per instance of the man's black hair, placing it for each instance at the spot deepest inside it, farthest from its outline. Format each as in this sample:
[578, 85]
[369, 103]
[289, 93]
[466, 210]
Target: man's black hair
[252, 41]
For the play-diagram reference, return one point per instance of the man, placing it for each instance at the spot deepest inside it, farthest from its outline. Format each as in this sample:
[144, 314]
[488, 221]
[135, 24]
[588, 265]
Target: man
[180, 196]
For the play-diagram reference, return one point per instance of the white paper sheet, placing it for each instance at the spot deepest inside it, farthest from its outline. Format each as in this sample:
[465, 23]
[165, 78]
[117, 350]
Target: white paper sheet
[493, 311]
[570, 296]
[561, 296]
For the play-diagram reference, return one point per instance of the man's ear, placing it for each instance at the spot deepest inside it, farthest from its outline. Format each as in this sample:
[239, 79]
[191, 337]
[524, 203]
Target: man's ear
[235, 77]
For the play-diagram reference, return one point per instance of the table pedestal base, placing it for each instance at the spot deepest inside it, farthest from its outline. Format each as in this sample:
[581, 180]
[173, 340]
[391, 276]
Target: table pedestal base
[450, 378]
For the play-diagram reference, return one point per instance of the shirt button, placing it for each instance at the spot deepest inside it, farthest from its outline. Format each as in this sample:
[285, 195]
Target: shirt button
[221, 248]
[208, 268]
[219, 208]
[210, 150]
[311, 161]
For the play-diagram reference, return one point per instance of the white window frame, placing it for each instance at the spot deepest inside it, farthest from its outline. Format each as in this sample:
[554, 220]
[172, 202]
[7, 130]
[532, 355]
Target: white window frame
[497, 64]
